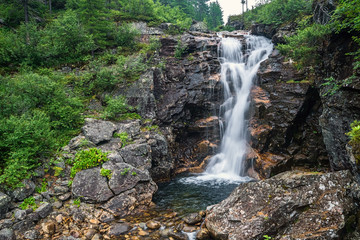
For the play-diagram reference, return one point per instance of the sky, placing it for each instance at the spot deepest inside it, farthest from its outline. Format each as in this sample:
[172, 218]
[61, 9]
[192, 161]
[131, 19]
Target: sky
[233, 7]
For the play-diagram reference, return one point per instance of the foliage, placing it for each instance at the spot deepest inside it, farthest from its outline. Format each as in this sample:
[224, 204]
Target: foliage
[266, 237]
[105, 173]
[77, 202]
[180, 49]
[333, 85]
[125, 36]
[43, 186]
[28, 203]
[276, 12]
[354, 135]
[124, 138]
[70, 183]
[86, 159]
[116, 106]
[133, 173]
[125, 171]
[302, 47]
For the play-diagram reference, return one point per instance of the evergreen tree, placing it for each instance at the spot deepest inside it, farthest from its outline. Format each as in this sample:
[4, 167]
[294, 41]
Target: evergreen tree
[94, 16]
[215, 17]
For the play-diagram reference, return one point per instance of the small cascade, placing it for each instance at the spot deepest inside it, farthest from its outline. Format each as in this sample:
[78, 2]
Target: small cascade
[238, 71]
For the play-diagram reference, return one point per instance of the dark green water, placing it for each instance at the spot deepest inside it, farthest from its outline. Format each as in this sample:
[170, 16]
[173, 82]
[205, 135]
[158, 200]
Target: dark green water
[192, 193]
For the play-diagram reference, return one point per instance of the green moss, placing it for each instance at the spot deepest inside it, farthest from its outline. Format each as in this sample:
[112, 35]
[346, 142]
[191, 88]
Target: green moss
[106, 173]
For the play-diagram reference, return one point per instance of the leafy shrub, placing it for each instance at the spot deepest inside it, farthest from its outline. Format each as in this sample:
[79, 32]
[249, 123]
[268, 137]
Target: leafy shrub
[124, 138]
[125, 36]
[86, 159]
[180, 49]
[28, 203]
[105, 173]
[43, 186]
[302, 47]
[354, 135]
[115, 107]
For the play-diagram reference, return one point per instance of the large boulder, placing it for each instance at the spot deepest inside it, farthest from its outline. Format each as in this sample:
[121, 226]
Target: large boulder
[291, 205]
[91, 186]
[4, 203]
[137, 155]
[98, 131]
[23, 192]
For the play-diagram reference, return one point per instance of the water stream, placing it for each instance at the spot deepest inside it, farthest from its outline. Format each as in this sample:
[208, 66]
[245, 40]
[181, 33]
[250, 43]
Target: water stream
[239, 65]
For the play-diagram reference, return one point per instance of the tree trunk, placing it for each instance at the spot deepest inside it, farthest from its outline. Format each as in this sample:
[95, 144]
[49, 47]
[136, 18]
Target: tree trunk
[50, 7]
[26, 10]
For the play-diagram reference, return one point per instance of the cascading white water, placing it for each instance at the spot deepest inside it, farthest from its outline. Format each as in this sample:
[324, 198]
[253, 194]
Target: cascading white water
[238, 71]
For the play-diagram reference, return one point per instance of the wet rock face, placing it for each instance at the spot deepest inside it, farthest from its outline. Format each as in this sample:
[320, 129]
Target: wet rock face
[284, 125]
[291, 205]
[342, 107]
[187, 90]
[322, 11]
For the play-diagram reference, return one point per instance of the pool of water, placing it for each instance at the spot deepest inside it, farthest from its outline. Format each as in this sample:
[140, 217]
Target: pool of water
[193, 193]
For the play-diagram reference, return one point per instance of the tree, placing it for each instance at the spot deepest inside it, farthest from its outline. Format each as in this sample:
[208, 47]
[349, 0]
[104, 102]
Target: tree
[215, 16]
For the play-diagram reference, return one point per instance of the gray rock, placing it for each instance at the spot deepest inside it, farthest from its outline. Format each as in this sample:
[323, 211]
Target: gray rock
[91, 186]
[137, 155]
[112, 146]
[6, 223]
[64, 197]
[46, 195]
[44, 210]
[287, 206]
[131, 128]
[145, 30]
[20, 214]
[115, 157]
[4, 203]
[199, 27]
[124, 177]
[32, 234]
[119, 229]
[57, 204]
[7, 234]
[23, 225]
[131, 201]
[60, 190]
[98, 131]
[33, 217]
[106, 217]
[23, 192]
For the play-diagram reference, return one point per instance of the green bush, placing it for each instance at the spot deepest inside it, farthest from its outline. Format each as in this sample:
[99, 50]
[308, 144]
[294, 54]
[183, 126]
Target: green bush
[28, 203]
[105, 173]
[124, 138]
[116, 107]
[125, 36]
[180, 49]
[303, 46]
[85, 159]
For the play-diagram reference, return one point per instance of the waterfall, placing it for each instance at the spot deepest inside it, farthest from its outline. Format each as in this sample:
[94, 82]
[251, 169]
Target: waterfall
[239, 65]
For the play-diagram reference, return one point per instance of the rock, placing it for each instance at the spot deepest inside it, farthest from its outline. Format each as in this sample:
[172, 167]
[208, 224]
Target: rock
[4, 203]
[203, 234]
[57, 204]
[131, 201]
[137, 155]
[131, 128]
[118, 229]
[98, 131]
[266, 30]
[124, 177]
[145, 30]
[199, 27]
[192, 218]
[5, 223]
[31, 234]
[64, 197]
[153, 224]
[178, 235]
[106, 217]
[89, 234]
[44, 210]
[91, 186]
[59, 218]
[7, 234]
[290, 205]
[23, 225]
[48, 227]
[96, 237]
[115, 157]
[60, 190]
[20, 214]
[23, 192]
